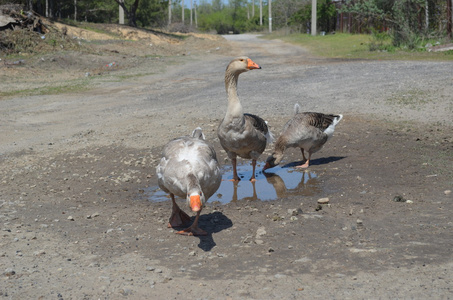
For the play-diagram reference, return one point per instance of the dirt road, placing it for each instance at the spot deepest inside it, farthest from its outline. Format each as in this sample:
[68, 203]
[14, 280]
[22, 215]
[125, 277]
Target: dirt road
[77, 221]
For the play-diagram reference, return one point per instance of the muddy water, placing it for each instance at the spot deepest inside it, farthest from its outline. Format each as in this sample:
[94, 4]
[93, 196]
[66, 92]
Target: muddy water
[273, 184]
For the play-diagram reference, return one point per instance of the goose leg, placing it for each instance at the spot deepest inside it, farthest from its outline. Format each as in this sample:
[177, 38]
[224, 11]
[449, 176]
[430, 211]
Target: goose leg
[253, 173]
[307, 162]
[303, 154]
[193, 229]
[178, 217]
[235, 172]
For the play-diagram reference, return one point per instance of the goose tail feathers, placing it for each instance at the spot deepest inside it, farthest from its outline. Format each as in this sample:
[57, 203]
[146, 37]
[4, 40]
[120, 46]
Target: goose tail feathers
[198, 133]
[337, 119]
[329, 131]
[269, 136]
[296, 108]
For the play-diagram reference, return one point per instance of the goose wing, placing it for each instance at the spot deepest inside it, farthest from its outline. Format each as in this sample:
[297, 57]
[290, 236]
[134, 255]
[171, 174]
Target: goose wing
[320, 120]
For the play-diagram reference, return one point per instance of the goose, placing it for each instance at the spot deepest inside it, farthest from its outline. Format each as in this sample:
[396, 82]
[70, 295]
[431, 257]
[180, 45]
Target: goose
[241, 134]
[308, 131]
[188, 169]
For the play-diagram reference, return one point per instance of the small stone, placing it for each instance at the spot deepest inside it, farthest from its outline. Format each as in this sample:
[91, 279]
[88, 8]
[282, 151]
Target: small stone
[125, 292]
[359, 222]
[447, 192]
[294, 211]
[399, 198]
[39, 253]
[71, 218]
[270, 250]
[192, 253]
[260, 231]
[323, 200]
[9, 272]
[259, 242]
[150, 268]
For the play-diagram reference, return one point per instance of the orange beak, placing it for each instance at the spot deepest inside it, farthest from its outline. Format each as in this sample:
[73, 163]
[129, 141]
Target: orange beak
[252, 65]
[195, 203]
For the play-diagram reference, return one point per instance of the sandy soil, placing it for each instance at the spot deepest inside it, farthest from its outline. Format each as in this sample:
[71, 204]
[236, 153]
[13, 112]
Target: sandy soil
[77, 221]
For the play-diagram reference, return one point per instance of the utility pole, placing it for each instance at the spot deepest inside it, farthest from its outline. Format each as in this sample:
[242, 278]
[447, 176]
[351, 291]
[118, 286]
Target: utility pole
[182, 11]
[121, 15]
[313, 17]
[270, 16]
[169, 12]
[191, 12]
[253, 8]
[195, 8]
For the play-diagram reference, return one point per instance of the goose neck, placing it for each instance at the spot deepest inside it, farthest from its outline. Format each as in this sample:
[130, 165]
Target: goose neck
[234, 105]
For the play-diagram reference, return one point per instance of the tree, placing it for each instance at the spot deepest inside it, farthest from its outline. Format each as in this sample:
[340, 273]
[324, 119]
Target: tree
[130, 12]
[284, 11]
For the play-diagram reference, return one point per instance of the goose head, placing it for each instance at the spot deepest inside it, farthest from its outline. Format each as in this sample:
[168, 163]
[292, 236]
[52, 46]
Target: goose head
[240, 65]
[196, 200]
[272, 161]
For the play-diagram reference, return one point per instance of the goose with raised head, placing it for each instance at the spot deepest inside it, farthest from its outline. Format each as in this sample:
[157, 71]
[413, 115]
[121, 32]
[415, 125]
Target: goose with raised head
[188, 169]
[308, 131]
[241, 134]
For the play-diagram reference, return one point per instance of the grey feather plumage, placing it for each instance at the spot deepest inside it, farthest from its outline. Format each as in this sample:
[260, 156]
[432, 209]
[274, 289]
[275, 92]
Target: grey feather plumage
[308, 131]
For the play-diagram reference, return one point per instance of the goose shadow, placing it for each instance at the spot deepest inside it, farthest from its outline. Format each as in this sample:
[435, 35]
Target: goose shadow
[315, 162]
[212, 223]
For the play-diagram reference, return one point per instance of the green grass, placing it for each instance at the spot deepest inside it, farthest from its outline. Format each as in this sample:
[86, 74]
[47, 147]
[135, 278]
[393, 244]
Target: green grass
[354, 46]
[69, 87]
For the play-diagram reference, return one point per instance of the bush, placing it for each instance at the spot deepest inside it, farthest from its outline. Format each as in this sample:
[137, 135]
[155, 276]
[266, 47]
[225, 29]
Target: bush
[380, 41]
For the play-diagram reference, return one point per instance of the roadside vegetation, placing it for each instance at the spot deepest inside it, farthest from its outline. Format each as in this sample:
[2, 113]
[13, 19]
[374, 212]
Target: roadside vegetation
[364, 29]
[361, 46]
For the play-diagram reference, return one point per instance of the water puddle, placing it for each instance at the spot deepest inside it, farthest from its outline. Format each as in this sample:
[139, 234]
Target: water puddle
[273, 184]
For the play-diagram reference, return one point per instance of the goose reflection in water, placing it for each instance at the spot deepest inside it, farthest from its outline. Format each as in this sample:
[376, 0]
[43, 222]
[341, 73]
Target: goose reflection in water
[308, 184]
[281, 182]
[270, 185]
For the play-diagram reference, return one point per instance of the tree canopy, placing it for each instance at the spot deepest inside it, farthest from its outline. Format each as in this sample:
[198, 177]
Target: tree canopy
[404, 19]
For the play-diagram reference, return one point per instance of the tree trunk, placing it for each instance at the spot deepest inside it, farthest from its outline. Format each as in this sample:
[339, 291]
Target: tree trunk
[75, 10]
[196, 21]
[182, 11]
[131, 13]
[270, 15]
[169, 12]
[449, 18]
[39, 7]
[261, 12]
[47, 8]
